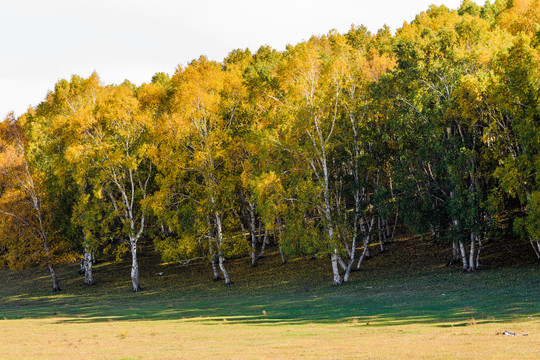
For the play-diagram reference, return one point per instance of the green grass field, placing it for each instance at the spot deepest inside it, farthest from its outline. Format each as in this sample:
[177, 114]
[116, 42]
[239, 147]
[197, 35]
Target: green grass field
[394, 308]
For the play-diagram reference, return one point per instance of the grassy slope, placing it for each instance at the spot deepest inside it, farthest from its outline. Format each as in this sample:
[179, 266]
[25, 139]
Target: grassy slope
[405, 296]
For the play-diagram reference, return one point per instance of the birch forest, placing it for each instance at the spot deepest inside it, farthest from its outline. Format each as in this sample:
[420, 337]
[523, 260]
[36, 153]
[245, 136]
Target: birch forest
[326, 149]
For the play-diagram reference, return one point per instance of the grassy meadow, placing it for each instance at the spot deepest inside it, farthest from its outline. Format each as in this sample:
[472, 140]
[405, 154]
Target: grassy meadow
[405, 303]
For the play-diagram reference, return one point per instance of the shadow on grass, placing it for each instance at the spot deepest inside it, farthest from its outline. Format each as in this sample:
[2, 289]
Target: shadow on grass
[387, 306]
[292, 294]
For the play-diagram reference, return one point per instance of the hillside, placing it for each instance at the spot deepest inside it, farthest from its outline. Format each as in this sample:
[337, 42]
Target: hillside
[410, 273]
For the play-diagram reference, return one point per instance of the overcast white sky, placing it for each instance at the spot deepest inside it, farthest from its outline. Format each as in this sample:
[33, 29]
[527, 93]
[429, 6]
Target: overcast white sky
[43, 41]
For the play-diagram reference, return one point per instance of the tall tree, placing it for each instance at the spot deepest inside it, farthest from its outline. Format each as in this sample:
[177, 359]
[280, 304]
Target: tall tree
[195, 161]
[22, 193]
[114, 144]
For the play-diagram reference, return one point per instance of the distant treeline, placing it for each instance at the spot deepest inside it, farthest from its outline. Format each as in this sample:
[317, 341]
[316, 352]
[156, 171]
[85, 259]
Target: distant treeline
[321, 149]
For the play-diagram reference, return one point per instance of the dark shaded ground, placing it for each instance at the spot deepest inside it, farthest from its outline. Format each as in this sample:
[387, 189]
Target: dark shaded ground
[409, 283]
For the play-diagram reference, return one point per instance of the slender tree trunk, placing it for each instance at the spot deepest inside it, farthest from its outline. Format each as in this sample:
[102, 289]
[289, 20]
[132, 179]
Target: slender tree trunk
[56, 286]
[462, 249]
[455, 254]
[365, 253]
[265, 241]
[355, 237]
[463, 255]
[357, 197]
[352, 253]
[472, 252]
[478, 252]
[88, 278]
[214, 264]
[283, 261]
[328, 220]
[134, 266]
[211, 250]
[335, 269]
[220, 253]
[45, 242]
[133, 239]
[334, 260]
[348, 271]
[223, 269]
[341, 263]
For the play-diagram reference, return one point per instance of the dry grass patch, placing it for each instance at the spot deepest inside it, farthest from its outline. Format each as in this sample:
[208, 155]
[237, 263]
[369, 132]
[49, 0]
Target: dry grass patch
[168, 339]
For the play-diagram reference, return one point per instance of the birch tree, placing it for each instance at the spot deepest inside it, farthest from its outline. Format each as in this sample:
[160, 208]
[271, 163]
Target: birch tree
[66, 109]
[195, 158]
[114, 145]
[22, 195]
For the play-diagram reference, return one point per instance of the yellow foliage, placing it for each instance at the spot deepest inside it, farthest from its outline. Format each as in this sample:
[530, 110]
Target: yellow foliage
[522, 17]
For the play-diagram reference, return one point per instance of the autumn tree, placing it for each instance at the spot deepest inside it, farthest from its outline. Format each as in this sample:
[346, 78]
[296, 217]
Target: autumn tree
[195, 161]
[22, 191]
[63, 113]
[112, 155]
[512, 133]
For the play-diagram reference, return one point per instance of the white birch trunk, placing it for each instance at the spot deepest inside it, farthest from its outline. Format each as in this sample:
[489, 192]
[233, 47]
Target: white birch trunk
[211, 250]
[478, 252]
[56, 286]
[134, 266]
[356, 174]
[335, 269]
[88, 277]
[472, 252]
[220, 254]
[129, 201]
[223, 269]
[352, 252]
[365, 253]
[283, 261]
[214, 264]
[265, 241]
[463, 255]
[329, 225]
[341, 263]
[348, 270]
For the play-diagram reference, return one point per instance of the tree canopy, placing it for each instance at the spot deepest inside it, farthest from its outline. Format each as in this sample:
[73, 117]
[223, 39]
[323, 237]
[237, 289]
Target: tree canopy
[322, 149]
